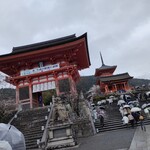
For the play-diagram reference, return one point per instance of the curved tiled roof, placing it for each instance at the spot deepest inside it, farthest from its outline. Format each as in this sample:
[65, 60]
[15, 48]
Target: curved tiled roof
[103, 67]
[44, 44]
[115, 77]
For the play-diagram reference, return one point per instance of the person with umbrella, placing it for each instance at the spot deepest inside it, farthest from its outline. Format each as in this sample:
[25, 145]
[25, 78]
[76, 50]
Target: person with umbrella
[100, 116]
[141, 119]
[136, 116]
[125, 120]
[128, 108]
[125, 112]
[13, 136]
[146, 111]
[131, 120]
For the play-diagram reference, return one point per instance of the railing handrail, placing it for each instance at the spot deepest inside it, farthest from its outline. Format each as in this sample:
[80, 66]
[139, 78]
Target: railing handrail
[11, 120]
[45, 133]
[91, 120]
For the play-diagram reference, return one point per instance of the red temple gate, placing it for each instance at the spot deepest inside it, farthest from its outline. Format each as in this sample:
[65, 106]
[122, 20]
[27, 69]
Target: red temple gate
[39, 67]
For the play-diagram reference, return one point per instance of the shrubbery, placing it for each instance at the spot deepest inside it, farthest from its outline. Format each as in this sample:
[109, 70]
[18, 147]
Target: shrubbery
[47, 96]
[6, 112]
[98, 98]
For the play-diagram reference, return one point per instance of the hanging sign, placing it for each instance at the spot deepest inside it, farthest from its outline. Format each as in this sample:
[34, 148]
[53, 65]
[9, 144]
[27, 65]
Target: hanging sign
[44, 86]
[38, 70]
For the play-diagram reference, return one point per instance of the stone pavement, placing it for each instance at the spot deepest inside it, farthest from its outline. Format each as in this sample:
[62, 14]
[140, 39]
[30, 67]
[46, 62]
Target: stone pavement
[126, 139]
[141, 139]
[111, 140]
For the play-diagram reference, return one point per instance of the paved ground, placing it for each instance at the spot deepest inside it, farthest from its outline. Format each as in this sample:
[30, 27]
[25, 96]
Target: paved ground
[125, 139]
[112, 140]
[141, 139]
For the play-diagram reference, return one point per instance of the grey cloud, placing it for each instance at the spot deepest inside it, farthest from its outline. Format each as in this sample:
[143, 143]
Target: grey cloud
[120, 29]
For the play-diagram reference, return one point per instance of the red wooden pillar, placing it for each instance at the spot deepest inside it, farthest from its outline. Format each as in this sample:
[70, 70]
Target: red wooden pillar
[106, 89]
[115, 87]
[17, 94]
[125, 86]
[73, 89]
[57, 87]
[30, 95]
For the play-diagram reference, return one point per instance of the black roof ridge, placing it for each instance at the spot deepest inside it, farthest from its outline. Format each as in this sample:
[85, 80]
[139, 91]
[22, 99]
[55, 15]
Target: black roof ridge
[126, 73]
[103, 67]
[70, 38]
[108, 65]
[43, 43]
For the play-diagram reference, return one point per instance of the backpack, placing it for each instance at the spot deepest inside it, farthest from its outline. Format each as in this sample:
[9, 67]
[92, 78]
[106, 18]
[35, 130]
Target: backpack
[141, 117]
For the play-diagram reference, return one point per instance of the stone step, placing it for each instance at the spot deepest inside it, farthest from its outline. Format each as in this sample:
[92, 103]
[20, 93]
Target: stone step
[113, 120]
[31, 118]
[30, 124]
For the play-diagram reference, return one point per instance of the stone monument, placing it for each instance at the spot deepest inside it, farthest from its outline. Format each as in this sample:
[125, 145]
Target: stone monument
[60, 129]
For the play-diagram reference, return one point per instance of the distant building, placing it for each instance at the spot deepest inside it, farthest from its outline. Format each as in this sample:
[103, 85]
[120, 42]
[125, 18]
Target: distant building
[110, 83]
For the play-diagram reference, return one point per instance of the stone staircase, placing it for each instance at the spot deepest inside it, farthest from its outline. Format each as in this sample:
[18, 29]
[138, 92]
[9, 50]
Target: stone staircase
[113, 120]
[30, 123]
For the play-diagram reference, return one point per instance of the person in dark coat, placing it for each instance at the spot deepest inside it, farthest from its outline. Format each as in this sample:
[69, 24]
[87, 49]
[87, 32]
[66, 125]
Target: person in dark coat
[145, 96]
[131, 120]
[136, 116]
[124, 98]
[141, 119]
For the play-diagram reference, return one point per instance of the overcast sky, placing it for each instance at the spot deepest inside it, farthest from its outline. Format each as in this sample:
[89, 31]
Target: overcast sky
[120, 29]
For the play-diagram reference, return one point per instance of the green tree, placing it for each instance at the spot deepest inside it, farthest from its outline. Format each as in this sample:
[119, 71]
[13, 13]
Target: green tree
[47, 96]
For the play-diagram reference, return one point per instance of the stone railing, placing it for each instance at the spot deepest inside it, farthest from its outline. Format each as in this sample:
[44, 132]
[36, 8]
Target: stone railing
[15, 116]
[43, 142]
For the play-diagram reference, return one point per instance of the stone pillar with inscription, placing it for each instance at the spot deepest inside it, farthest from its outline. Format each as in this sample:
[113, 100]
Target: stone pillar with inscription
[60, 133]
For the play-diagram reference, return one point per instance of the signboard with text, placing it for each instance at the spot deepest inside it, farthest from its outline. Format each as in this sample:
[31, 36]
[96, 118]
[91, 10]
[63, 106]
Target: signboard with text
[38, 70]
[43, 86]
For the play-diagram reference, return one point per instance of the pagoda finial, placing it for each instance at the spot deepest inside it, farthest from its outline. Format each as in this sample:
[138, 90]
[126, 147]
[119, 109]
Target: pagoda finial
[102, 59]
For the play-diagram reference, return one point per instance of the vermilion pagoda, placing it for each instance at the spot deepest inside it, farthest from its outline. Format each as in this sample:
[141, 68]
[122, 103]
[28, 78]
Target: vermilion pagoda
[111, 83]
[39, 67]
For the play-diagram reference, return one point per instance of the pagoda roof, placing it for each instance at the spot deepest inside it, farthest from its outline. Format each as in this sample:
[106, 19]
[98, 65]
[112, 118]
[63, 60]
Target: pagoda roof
[105, 68]
[123, 76]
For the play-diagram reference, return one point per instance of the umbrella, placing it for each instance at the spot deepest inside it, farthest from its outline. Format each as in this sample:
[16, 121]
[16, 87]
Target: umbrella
[89, 96]
[146, 111]
[99, 103]
[4, 145]
[135, 101]
[148, 105]
[111, 96]
[121, 102]
[144, 106]
[135, 109]
[101, 107]
[126, 106]
[103, 101]
[109, 100]
[131, 102]
[13, 136]
[92, 104]
[147, 93]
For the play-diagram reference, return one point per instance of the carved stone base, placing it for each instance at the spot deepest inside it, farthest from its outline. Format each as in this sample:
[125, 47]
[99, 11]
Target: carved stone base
[60, 136]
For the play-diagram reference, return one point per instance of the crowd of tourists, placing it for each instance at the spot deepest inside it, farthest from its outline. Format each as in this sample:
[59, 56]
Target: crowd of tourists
[131, 111]
[129, 107]
[98, 113]
[99, 110]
